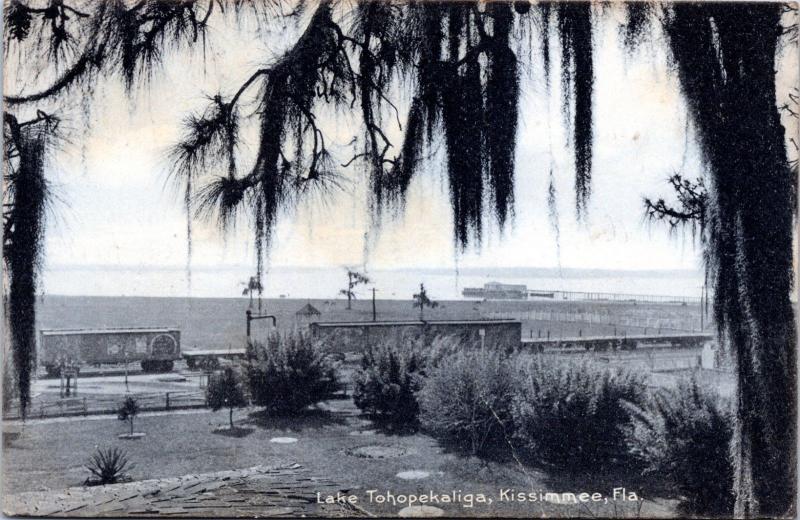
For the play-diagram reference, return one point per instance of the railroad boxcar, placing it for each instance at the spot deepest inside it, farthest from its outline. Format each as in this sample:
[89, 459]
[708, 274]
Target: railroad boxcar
[212, 358]
[156, 349]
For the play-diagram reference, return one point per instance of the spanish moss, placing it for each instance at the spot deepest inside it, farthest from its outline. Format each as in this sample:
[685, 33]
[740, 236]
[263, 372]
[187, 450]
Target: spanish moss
[462, 119]
[636, 26]
[725, 59]
[502, 95]
[411, 151]
[544, 17]
[119, 39]
[577, 69]
[376, 37]
[430, 71]
[26, 197]
[552, 213]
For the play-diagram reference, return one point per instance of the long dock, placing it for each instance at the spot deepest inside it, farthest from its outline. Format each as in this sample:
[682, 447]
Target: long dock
[583, 296]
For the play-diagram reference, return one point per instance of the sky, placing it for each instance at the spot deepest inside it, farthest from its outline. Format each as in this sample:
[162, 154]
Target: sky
[117, 213]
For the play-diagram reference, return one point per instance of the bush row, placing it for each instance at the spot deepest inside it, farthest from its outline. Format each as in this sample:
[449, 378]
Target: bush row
[577, 416]
[574, 414]
[387, 384]
[562, 413]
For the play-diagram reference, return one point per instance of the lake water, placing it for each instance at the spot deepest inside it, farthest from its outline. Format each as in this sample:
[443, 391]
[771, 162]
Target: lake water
[217, 282]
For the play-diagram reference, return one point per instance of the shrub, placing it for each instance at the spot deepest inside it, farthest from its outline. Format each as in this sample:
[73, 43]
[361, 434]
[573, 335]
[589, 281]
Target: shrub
[387, 382]
[391, 374]
[128, 410]
[466, 399]
[289, 373]
[573, 414]
[225, 391]
[107, 466]
[684, 434]
[443, 346]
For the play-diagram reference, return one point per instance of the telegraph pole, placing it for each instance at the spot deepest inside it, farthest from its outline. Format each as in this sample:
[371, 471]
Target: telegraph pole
[125, 353]
[702, 294]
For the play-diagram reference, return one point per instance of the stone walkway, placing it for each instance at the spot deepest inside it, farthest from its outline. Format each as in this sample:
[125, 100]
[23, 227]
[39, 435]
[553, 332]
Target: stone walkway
[257, 492]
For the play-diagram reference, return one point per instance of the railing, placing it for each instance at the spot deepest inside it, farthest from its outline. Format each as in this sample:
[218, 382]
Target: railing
[644, 319]
[613, 297]
[95, 405]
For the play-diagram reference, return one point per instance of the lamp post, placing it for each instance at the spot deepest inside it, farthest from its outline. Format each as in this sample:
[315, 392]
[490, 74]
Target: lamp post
[125, 354]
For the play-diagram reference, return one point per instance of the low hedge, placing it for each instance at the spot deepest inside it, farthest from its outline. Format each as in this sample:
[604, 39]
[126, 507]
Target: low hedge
[573, 415]
[466, 399]
[684, 435]
[386, 385]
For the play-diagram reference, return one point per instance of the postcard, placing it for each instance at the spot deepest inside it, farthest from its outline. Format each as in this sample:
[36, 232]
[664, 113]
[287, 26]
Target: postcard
[400, 258]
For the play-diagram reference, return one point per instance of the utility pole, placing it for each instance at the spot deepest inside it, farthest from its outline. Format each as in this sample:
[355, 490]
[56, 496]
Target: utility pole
[421, 302]
[702, 294]
[374, 313]
[125, 353]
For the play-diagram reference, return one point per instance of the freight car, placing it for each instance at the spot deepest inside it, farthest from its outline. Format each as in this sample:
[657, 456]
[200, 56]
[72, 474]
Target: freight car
[212, 358]
[155, 349]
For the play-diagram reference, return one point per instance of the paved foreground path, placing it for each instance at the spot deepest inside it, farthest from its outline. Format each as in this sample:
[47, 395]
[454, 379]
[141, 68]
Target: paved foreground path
[260, 491]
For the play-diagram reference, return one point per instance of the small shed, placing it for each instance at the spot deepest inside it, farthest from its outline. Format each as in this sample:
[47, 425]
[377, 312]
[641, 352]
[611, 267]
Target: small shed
[306, 314]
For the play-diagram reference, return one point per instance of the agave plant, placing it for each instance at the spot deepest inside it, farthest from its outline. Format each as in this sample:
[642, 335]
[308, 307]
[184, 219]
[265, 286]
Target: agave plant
[108, 466]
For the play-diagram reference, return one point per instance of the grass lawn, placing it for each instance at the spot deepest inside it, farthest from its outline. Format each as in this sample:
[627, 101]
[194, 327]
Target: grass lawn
[332, 441]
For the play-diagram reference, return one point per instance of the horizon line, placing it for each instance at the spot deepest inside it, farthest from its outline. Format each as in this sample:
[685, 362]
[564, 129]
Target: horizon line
[460, 270]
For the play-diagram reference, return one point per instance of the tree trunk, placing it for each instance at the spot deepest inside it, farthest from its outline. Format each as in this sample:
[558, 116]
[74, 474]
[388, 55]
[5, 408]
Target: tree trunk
[230, 417]
[726, 61]
[131, 421]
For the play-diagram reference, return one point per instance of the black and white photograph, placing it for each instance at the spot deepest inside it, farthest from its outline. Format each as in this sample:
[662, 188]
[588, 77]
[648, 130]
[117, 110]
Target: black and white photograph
[400, 258]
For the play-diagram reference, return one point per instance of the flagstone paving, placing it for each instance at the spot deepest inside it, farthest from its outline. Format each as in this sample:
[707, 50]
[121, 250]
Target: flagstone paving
[257, 492]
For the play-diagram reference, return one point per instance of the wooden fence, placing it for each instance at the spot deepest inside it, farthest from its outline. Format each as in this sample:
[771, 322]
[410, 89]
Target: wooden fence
[647, 319]
[95, 405]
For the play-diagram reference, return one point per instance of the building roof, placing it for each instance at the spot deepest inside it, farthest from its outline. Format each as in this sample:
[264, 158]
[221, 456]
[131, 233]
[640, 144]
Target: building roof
[349, 324]
[66, 332]
[308, 310]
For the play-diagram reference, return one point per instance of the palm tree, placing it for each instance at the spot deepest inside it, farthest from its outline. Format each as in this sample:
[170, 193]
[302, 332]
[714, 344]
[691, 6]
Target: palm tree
[460, 59]
[421, 300]
[354, 279]
[251, 286]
